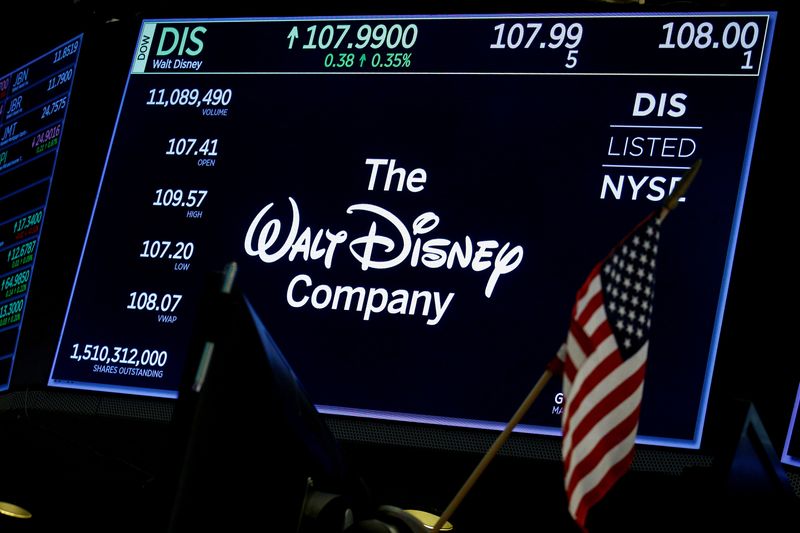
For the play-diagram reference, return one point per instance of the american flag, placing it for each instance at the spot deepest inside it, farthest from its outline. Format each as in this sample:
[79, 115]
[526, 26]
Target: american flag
[603, 368]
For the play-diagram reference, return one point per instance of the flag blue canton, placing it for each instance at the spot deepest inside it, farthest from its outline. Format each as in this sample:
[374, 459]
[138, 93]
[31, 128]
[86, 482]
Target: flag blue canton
[628, 279]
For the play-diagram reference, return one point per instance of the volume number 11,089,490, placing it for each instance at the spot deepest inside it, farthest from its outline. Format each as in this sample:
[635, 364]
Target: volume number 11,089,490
[189, 97]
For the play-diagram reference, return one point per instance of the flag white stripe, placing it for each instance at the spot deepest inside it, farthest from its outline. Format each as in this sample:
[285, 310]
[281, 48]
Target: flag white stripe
[594, 322]
[577, 358]
[583, 448]
[594, 288]
[562, 352]
[566, 387]
[590, 481]
[575, 351]
[602, 389]
[580, 359]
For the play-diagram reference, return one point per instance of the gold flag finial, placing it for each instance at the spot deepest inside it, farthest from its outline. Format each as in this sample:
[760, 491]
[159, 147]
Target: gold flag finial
[672, 202]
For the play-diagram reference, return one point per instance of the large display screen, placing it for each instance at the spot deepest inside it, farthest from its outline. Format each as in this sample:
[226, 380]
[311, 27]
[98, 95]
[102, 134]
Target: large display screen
[33, 105]
[413, 202]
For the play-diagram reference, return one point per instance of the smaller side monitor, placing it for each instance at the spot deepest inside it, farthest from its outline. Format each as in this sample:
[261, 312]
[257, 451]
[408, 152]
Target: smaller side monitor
[33, 107]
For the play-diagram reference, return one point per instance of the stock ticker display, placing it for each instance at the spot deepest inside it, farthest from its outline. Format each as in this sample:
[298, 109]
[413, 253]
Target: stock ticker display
[33, 105]
[413, 202]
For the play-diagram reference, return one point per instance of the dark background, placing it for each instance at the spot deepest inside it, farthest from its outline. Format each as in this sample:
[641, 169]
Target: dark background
[62, 463]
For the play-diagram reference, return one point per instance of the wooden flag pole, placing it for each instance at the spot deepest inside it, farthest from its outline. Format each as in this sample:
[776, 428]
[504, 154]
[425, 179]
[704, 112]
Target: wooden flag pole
[670, 204]
[498, 443]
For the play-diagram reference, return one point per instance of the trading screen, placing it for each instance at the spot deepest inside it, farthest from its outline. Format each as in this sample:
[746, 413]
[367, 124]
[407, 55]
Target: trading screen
[414, 201]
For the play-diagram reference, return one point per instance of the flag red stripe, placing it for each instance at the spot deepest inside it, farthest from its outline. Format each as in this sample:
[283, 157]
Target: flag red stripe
[588, 344]
[608, 404]
[569, 369]
[583, 340]
[602, 488]
[573, 417]
[607, 366]
[608, 442]
[585, 287]
[600, 334]
[591, 306]
[585, 347]
[556, 365]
